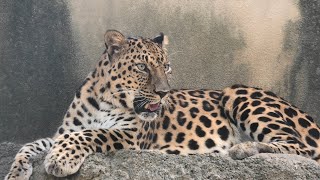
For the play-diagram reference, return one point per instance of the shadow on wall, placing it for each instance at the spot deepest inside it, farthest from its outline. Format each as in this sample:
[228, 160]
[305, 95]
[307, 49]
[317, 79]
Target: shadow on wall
[36, 75]
[50, 46]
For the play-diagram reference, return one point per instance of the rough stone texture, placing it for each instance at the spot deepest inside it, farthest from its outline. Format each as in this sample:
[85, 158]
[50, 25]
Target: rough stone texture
[7, 153]
[152, 165]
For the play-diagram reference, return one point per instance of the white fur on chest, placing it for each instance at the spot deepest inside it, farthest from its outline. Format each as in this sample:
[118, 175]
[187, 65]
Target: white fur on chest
[109, 117]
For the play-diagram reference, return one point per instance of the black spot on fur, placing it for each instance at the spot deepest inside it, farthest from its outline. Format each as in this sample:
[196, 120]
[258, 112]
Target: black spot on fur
[200, 132]
[118, 146]
[102, 137]
[241, 91]
[189, 126]
[256, 95]
[98, 149]
[255, 103]
[309, 118]
[93, 102]
[269, 93]
[79, 113]
[223, 133]
[311, 142]
[304, 123]
[207, 106]
[314, 133]
[123, 103]
[273, 114]
[236, 86]
[181, 119]
[102, 90]
[196, 94]
[61, 130]
[224, 100]
[266, 131]
[173, 152]
[78, 94]
[168, 137]
[214, 95]
[96, 140]
[146, 126]
[244, 106]
[259, 110]
[253, 127]
[285, 103]
[193, 145]
[260, 137]
[245, 115]
[289, 131]
[238, 100]
[183, 104]
[290, 123]
[205, 121]
[290, 112]
[274, 105]
[166, 122]
[76, 122]
[266, 99]
[214, 115]
[210, 143]
[154, 138]
[180, 137]
[193, 112]
[274, 126]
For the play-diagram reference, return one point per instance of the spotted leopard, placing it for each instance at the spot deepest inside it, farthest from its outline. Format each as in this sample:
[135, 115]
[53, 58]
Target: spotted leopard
[127, 103]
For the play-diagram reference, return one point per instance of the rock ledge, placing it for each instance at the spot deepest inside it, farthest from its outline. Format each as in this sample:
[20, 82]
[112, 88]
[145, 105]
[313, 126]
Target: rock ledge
[152, 165]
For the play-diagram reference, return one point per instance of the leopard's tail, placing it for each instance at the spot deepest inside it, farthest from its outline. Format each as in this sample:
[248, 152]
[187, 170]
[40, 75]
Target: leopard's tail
[21, 167]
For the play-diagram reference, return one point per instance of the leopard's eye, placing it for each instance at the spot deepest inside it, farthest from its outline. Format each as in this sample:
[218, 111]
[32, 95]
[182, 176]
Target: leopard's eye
[167, 68]
[142, 67]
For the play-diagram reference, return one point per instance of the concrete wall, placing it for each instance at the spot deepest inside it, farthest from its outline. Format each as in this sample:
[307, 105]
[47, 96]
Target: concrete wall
[48, 47]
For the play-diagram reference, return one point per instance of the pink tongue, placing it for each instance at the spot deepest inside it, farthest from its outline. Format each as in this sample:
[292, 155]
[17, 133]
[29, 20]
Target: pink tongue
[153, 107]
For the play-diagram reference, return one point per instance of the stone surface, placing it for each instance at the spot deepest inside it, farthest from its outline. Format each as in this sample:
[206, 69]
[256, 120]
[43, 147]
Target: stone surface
[151, 165]
[7, 153]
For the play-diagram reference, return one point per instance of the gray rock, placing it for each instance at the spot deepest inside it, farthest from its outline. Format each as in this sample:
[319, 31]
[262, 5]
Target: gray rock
[153, 165]
[7, 152]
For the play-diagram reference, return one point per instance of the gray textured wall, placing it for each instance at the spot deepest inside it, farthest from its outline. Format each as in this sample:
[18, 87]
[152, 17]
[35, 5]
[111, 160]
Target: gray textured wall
[48, 47]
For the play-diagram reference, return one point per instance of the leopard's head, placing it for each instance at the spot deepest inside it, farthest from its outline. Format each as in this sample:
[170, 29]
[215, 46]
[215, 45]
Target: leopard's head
[138, 73]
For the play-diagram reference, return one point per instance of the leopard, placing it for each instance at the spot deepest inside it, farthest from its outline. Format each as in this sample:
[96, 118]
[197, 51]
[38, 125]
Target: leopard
[127, 103]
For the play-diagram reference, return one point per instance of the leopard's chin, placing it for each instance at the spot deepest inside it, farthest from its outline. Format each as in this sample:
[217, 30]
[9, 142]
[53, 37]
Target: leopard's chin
[148, 116]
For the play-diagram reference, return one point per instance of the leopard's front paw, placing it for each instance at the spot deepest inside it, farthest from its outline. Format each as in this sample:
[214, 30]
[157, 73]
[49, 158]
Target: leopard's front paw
[64, 159]
[20, 170]
[247, 149]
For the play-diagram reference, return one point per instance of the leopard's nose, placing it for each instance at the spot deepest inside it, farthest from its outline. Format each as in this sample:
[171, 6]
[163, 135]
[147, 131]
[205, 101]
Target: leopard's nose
[162, 93]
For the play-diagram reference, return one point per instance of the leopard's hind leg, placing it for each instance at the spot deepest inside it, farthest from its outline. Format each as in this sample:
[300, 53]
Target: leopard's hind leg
[268, 120]
[21, 168]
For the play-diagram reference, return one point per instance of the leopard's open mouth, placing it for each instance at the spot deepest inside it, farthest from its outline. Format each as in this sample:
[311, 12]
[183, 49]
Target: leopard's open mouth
[146, 110]
[153, 106]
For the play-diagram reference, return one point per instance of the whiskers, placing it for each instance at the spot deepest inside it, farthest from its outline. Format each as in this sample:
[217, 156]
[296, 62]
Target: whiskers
[166, 104]
[113, 96]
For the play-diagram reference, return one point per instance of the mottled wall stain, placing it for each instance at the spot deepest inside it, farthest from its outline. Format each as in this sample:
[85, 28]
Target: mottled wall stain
[213, 44]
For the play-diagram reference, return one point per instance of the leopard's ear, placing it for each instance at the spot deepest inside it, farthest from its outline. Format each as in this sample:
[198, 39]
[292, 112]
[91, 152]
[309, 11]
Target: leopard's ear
[161, 39]
[114, 40]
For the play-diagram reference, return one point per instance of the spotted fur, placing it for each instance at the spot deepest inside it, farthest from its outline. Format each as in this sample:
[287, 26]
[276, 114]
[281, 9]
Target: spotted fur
[127, 103]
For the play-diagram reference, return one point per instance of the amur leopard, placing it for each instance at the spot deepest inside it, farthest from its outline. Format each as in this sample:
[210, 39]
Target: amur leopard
[127, 103]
